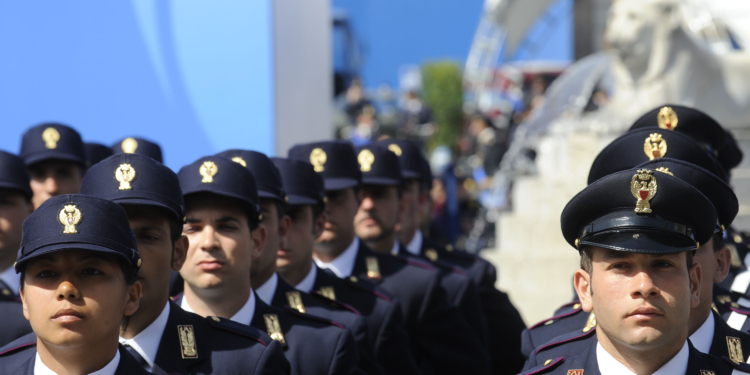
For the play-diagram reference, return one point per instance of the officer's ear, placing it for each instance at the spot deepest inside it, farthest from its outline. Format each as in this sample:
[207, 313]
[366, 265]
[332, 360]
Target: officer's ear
[319, 224]
[133, 299]
[723, 261]
[23, 302]
[695, 284]
[179, 254]
[582, 284]
[258, 236]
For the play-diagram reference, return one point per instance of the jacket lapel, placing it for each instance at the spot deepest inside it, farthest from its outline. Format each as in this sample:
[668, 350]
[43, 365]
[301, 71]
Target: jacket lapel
[169, 356]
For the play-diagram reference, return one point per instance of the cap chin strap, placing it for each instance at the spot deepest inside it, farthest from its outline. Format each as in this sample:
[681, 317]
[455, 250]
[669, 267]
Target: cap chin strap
[644, 223]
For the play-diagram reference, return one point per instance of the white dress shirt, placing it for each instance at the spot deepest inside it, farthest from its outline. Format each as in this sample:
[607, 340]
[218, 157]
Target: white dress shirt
[343, 265]
[268, 289]
[415, 245]
[146, 342]
[11, 279]
[243, 316]
[41, 369]
[704, 336]
[608, 365]
[306, 285]
[394, 249]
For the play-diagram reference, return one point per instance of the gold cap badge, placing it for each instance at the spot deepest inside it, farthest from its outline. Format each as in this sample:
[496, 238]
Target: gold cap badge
[208, 170]
[373, 269]
[655, 146]
[125, 174]
[328, 292]
[318, 159]
[295, 301]
[129, 145]
[50, 136]
[643, 187]
[590, 322]
[187, 342]
[239, 161]
[395, 149]
[735, 349]
[667, 118]
[273, 327]
[70, 216]
[665, 170]
[365, 159]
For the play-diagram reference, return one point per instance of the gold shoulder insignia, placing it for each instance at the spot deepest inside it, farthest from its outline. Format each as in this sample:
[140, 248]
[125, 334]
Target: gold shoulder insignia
[655, 146]
[590, 322]
[318, 159]
[328, 292]
[395, 149]
[365, 159]
[373, 269]
[735, 349]
[707, 372]
[239, 160]
[667, 118]
[208, 170]
[576, 306]
[50, 136]
[6, 292]
[187, 342]
[274, 327]
[431, 254]
[736, 262]
[575, 372]
[129, 145]
[125, 174]
[295, 301]
[643, 187]
[70, 216]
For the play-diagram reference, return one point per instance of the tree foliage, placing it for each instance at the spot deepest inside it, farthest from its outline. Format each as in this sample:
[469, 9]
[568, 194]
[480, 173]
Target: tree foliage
[443, 92]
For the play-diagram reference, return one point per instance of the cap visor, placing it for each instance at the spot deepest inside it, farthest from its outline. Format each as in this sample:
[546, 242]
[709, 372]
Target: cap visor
[641, 241]
[380, 181]
[52, 155]
[68, 246]
[9, 185]
[340, 183]
[147, 202]
[266, 194]
[302, 200]
[411, 174]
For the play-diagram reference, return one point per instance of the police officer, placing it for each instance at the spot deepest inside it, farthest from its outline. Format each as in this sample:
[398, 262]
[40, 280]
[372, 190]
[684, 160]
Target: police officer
[79, 270]
[440, 339]
[15, 207]
[264, 280]
[636, 231]
[305, 206]
[96, 152]
[135, 145]
[55, 157]
[504, 323]
[223, 233]
[151, 196]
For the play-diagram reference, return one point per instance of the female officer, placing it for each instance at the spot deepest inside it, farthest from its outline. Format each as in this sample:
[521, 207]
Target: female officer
[79, 281]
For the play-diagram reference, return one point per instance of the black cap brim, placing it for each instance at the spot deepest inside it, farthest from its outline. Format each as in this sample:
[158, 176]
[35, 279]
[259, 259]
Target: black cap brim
[9, 185]
[385, 181]
[269, 195]
[147, 202]
[52, 155]
[340, 183]
[53, 248]
[302, 200]
[640, 241]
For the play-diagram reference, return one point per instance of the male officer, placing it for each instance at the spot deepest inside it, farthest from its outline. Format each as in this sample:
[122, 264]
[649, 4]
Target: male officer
[305, 208]
[223, 233]
[636, 231]
[265, 281]
[709, 333]
[504, 323]
[96, 152]
[151, 196]
[79, 280]
[55, 157]
[134, 145]
[440, 339]
[15, 207]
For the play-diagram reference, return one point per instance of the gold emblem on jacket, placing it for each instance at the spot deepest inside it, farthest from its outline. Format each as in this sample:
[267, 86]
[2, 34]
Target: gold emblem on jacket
[187, 341]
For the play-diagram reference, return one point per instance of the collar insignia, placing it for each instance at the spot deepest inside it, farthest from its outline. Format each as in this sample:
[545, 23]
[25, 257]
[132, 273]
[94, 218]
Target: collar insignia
[655, 146]
[373, 269]
[590, 322]
[125, 174]
[328, 292]
[295, 301]
[365, 159]
[643, 187]
[274, 327]
[395, 149]
[735, 349]
[70, 216]
[318, 159]
[50, 136]
[575, 372]
[187, 342]
[208, 170]
[129, 145]
[707, 372]
[431, 254]
[667, 118]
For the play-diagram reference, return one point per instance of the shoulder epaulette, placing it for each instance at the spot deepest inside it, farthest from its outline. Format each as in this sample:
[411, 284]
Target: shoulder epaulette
[335, 302]
[548, 365]
[17, 348]
[234, 327]
[568, 337]
[354, 282]
[742, 366]
[448, 267]
[738, 309]
[313, 317]
[552, 319]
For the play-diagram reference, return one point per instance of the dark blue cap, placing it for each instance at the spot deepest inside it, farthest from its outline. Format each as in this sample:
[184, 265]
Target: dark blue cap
[134, 145]
[334, 160]
[266, 175]
[641, 145]
[302, 185]
[52, 141]
[730, 154]
[13, 174]
[96, 152]
[221, 176]
[691, 122]
[78, 222]
[641, 211]
[379, 165]
[135, 179]
[409, 157]
[719, 193]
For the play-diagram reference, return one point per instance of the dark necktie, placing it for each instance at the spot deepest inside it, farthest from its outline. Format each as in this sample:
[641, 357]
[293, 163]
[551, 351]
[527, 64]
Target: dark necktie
[138, 357]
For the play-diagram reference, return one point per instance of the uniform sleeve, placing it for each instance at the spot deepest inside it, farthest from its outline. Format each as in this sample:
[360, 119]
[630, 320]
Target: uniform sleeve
[345, 356]
[392, 344]
[273, 362]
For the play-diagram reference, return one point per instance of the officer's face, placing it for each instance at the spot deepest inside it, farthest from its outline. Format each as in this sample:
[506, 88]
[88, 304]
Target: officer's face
[340, 210]
[276, 233]
[641, 301]
[153, 234]
[74, 298]
[301, 237]
[379, 212]
[221, 245]
[51, 178]
[14, 209]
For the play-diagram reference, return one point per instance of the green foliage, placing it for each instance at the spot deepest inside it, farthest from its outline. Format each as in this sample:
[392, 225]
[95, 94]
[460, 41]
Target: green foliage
[444, 94]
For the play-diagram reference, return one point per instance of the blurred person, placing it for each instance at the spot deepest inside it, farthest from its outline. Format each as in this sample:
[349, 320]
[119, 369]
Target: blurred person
[134, 145]
[96, 152]
[55, 157]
